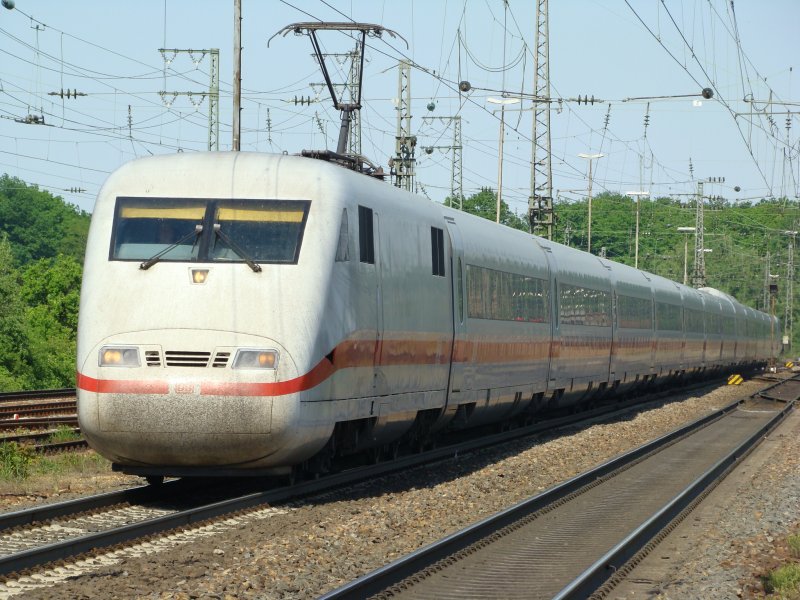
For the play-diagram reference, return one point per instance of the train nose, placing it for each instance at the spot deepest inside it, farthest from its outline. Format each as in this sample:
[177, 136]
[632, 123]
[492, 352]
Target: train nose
[212, 404]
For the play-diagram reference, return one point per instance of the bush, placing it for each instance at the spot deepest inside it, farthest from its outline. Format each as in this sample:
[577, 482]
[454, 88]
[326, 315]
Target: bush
[15, 460]
[783, 580]
[794, 545]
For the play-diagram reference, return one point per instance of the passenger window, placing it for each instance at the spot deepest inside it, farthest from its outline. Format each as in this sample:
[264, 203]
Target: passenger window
[366, 240]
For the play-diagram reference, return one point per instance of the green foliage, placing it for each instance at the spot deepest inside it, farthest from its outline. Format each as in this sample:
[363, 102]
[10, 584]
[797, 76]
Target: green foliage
[794, 544]
[484, 204]
[42, 243]
[38, 224]
[15, 461]
[64, 433]
[15, 371]
[783, 580]
[69, 464]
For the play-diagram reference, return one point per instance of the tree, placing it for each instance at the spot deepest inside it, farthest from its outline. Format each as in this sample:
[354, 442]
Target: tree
[484, 204]
[15, 372]
[38, 224]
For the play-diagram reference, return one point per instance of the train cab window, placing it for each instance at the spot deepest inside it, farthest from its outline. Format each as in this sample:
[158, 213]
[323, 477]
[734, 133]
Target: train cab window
[366, 240]
[186, 230]
[437, 251]
[261, 231]
[143, 228]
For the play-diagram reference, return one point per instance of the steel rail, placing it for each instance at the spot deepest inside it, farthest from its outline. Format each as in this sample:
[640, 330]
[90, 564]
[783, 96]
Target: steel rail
[19, 410]
[610, 563]
[34, 394]
[412, 564]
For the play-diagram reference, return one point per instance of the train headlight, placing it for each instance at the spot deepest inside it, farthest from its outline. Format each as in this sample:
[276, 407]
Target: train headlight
[256, 359]
[119, 356]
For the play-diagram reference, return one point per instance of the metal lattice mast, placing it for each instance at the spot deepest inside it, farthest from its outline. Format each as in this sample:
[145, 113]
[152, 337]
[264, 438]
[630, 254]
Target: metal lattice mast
[699, 274]
[540, 202]
[456, 179]
[353, 84]
[213, 88]
[213, 101]
[405, 143]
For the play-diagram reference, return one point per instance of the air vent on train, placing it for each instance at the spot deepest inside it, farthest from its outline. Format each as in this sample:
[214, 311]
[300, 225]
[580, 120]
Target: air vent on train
[221, 360]
[185, 358]
[152, 358]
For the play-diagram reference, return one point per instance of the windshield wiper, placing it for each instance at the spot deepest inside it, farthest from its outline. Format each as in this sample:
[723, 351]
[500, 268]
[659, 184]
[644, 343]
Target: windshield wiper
[157, 257]
[236, 248]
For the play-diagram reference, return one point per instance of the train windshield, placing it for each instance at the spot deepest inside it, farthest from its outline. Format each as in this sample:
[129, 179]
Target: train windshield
[265, 231]
[251, 231]
[143, 229]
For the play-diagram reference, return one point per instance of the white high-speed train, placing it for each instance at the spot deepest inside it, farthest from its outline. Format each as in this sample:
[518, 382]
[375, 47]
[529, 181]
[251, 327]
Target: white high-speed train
[244, 313]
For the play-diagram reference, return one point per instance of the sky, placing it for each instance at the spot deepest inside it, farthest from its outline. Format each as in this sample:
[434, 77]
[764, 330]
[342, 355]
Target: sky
[645, 62]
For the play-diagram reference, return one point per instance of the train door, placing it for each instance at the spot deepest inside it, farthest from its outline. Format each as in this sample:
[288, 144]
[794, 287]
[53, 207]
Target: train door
[612, 358]
[457, 383]
[378, 297]
[369, 299]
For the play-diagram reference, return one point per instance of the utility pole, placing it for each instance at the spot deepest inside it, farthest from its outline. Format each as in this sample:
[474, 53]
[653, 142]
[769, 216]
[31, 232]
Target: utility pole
[699, 274]
[765, 303]
[787, 315]
[405, 143]
[590, 157]
[196, 56]
[540, 202]
[638, 196]
[237, 75]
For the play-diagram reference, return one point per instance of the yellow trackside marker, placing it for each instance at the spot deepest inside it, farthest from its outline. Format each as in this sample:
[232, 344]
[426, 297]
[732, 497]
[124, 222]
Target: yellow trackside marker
[789, 364]
[735, 380]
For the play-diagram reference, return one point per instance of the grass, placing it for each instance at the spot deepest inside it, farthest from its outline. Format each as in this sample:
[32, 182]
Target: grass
[16, 461]
[794, 545]
[64, 433]
[784, 581]
[23, 471]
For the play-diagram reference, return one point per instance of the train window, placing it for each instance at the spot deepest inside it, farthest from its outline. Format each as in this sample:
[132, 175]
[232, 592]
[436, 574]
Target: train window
[343, 247]
[258, 230]
[437, 251]
[668, 317]
[143, 227]
[634, 313]
[266, 231]
[584, 306]
[366, 240]
[503, 296]
[728, 325]
[693, 320]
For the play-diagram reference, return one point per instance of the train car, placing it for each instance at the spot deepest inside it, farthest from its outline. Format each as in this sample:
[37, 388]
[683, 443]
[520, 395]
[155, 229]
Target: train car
[245, 313]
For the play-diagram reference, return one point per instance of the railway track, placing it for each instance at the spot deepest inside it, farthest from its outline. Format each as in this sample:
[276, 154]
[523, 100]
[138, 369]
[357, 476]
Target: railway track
[38, 409]
[33, 537]
[577, 537]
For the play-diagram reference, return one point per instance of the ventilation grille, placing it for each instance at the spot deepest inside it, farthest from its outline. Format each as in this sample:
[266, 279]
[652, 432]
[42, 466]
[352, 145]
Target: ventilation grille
[185, 358]
[152, 358]
[221, 360]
